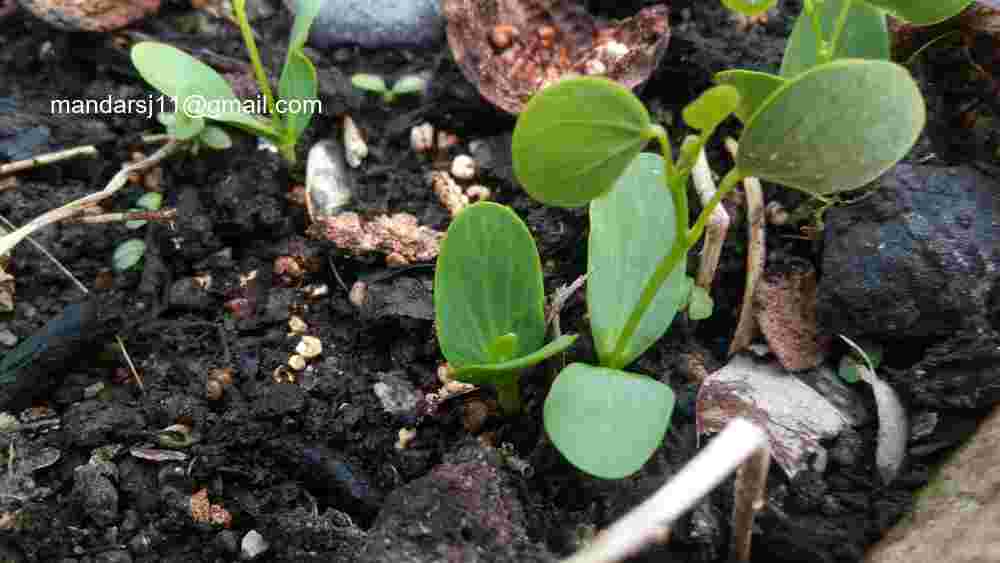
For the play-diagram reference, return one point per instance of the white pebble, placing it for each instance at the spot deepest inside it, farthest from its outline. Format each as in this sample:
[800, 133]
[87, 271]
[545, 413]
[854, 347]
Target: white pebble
[422, 138]
[253, 544]
[355, 148]
[463, 167]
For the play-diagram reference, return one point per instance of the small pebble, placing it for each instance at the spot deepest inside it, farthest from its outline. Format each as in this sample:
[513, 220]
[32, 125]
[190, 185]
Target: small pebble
[463, 167]
[253, 544]
[422, 138]
[377, 24]
[328, 180]
[8, 338]
[355, 148]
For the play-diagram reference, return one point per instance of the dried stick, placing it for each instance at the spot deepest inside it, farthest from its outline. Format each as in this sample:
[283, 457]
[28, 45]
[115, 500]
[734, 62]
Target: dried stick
[749, 497]
[717, 227]
[645, 524]
[9, 241]
[46, 159]
[168, 215]
[746, 327]
[49, 255]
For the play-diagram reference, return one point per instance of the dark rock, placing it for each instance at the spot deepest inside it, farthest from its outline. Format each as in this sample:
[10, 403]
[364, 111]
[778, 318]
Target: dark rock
[917, 259]
[377, 24]
[302, 531]
[336, 479]
[959, 372]
[113, 556]
[400, 297]
[465, 510]
[94, 422]
[278, 400]
[189, 293]
[227, 542]
[95, 492]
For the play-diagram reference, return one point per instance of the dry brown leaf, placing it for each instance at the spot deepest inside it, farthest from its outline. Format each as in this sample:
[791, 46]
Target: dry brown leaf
[785, 302]
[510, 49]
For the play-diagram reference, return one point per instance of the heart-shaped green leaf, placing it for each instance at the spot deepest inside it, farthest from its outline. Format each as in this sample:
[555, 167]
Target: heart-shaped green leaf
[575, 138]
[215, 138]
[749, 7]
[605, 421]
[711, 107]
[754, 87]
[835, 127]
[922, 12]
[865, 36]
[488, 284]
[631, 229]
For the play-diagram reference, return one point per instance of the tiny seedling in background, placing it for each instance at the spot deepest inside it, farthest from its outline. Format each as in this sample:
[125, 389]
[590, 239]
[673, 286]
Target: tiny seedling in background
[203, 94]
[409, 84]
[129, 253]
[489, 301]
[867, 355]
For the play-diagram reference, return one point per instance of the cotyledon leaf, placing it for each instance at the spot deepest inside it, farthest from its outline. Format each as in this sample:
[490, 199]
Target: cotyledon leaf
[835, 127]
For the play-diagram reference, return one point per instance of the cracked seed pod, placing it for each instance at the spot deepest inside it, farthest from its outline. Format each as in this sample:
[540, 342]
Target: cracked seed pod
[90, 15]
[511, 49]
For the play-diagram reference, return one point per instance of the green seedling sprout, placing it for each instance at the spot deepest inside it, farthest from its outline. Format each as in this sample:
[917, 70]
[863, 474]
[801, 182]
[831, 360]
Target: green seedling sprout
[129, 253]
[409, 84]
[828, 124]
[202, 94]
[489, 301]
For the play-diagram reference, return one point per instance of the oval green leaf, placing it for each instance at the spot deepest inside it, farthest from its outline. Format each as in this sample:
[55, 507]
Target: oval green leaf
[607, 422]
[631, 229]
[488, 284]
[865, 36]
[922, 12]
[576, 137]
[754, 87]
[711, 107]
[700, 304]
[749, 7]
[297, 88]
[835, 127]
[369, 82]
[151, 201]
[410, 84]
[128, 254]
[215, 138]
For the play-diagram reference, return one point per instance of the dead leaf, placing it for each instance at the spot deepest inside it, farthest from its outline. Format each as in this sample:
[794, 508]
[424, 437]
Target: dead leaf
[893, 426]
[785, 302]
[511, 49]
[795, 416]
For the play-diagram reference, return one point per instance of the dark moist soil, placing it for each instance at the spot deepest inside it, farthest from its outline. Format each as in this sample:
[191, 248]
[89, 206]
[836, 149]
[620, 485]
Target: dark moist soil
[310, 464]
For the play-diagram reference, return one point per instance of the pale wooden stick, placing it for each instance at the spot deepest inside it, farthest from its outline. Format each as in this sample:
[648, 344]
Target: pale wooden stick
[645, 523]
[9, 241]
[45, 159]
[746, 327]
[717, 227]
[750, 492]
[167, 215]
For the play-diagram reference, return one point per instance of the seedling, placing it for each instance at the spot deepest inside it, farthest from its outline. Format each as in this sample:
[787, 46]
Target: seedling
[201, 94]
[409, 84]
[489, 301]
[130, 252]
[826, 125]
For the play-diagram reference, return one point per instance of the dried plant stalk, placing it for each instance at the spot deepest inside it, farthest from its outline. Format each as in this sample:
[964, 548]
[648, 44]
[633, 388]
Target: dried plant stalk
[749, 497]
[746, 327]
[717, 227]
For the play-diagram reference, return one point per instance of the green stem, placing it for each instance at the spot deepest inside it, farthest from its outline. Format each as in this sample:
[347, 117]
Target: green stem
[239, 6]
[509, 397]
[678, 252]
[838, 29]
[813, 14]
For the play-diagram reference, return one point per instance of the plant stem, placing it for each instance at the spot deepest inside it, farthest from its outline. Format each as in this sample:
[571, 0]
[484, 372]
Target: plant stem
[239, 6]
[683, 242]
[509, 396]
[838, 29]
[812, 13]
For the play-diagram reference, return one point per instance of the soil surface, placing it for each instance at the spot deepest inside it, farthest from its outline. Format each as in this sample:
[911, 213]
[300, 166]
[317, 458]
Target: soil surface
[310, 459]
